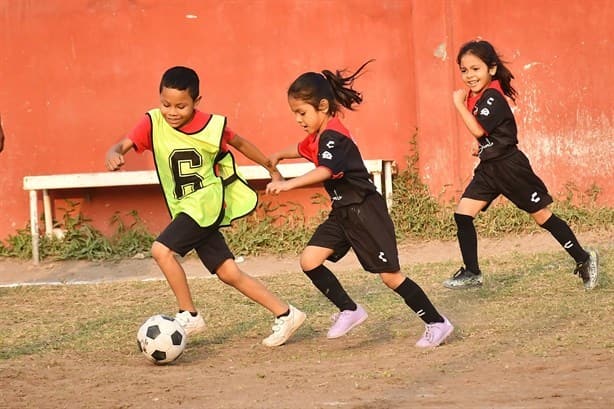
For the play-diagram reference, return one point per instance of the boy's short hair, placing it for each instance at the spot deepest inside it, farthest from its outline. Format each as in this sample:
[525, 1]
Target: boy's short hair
[181, 78]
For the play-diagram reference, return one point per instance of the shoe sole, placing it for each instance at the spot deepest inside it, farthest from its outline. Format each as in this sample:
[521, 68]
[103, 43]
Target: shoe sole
[592, 282]
[297, 324]
[460, 287]
[354, 325]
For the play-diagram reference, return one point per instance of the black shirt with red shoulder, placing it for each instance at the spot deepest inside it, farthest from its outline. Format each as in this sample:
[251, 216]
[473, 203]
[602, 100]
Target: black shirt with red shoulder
[334, 149]
[495, 116]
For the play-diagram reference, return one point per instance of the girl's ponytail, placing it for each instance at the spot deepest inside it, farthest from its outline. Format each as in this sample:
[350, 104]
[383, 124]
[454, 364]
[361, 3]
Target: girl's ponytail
[336, 88]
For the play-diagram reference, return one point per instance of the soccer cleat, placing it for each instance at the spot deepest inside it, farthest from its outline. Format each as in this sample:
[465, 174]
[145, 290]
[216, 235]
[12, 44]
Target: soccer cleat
[464, 278]
[190, 324]
[284, 327]
[589, 270]
[435, 334]
[345, 321]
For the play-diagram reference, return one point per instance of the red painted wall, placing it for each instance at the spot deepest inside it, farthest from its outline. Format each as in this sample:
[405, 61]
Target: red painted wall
[76, 75]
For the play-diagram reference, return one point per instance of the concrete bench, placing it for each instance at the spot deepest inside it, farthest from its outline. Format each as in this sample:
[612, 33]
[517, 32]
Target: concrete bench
[380, 169]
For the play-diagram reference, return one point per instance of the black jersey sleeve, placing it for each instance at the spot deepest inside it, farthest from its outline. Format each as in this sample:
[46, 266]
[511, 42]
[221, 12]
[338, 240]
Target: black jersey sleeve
[491, 110]
[331, 152]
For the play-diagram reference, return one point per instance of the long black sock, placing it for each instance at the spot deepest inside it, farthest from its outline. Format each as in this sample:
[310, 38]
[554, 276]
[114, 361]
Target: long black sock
[468, 241]
[327, 283]
[563, 234]
[417, 300]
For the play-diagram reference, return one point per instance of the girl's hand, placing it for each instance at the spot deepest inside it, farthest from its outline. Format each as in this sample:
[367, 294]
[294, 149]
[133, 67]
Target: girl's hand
[459, 97]
[276, 187]
[275, 159]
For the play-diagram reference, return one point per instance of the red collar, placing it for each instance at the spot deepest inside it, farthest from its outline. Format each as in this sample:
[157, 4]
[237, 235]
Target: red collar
[473, 99]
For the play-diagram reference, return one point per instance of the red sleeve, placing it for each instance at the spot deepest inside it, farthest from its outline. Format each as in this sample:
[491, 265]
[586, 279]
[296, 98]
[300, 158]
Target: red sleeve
[226, 137]
[140, 135]
[308, 148]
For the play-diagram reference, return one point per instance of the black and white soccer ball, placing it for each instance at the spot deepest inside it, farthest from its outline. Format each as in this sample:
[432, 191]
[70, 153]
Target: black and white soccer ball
[161, 339]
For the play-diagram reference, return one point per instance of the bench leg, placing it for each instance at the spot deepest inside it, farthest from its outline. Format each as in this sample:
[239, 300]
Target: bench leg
[377, 181]
[388, 182]
[34, 225]
[47, 213]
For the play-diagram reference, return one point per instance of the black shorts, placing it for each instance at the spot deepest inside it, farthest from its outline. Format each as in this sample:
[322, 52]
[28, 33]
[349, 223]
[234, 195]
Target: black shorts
[512, 177]
[366, 228]
[184, 234]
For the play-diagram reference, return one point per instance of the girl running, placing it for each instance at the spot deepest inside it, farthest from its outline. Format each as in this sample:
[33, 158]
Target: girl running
[359, 217]
[503, 168]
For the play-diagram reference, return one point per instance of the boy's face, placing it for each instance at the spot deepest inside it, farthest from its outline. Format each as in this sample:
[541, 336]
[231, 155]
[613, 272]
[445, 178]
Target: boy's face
[177, 106]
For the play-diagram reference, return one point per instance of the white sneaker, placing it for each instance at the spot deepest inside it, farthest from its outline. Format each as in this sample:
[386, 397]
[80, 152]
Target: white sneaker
[284, 327]
[190, 324]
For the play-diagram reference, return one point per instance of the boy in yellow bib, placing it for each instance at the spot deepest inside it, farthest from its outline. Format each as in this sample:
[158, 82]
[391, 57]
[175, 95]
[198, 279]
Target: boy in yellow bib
[203, 192]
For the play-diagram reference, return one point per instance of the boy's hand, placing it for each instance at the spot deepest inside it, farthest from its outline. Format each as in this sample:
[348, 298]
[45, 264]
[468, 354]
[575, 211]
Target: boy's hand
[114, 160]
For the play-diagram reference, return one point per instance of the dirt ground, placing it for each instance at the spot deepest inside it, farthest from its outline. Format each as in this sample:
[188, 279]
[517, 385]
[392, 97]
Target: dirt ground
[357, 371]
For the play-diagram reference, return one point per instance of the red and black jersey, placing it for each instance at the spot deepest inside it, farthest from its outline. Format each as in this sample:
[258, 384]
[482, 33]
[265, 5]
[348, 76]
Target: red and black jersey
[334, 148]
[495, 116]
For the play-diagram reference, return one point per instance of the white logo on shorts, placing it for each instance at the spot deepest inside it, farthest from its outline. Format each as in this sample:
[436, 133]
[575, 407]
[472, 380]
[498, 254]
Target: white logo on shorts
[568, 245]
[330, 144]
[535, 197]
[484, 112]
[327, 155]
[382, 257]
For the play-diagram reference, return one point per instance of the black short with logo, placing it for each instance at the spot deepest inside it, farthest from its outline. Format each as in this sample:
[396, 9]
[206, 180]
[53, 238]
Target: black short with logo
[364, 227]
[184, 234]
[512, 177]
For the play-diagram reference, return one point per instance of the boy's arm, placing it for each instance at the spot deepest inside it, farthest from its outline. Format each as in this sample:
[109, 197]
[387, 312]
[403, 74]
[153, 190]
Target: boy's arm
[115, 155]
[459, 97]
[1, 136]
[250, 151]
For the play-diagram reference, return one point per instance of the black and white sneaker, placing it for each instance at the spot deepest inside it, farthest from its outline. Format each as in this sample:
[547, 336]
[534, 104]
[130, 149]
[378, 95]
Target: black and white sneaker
[464, 278]
[589, 270]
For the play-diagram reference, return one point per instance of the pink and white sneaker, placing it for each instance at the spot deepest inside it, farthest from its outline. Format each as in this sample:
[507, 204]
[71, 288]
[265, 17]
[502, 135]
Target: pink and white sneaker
[345, 321]
[435, 334]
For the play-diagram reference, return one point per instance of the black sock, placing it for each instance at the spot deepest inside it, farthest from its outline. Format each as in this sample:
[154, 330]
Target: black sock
[285, 314]
[417, 300]
[468, 241]
[192, 313]
[327, 283]
[563, 234]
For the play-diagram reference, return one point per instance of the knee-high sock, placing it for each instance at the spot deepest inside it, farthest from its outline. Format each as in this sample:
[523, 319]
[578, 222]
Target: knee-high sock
[418, 301]
[327, 283]
[563, 234]
[468, 241]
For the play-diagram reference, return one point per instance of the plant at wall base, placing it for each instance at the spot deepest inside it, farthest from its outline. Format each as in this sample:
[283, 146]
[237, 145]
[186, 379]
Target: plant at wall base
[415, 212]
[81, 241]
[134, 238]
[273, 229]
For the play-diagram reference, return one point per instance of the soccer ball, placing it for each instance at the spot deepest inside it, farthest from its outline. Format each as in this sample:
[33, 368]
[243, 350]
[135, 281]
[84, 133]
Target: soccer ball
[161, 339]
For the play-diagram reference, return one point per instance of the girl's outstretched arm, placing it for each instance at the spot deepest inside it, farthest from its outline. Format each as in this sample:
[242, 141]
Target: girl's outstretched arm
[290, 152]
[317, 175]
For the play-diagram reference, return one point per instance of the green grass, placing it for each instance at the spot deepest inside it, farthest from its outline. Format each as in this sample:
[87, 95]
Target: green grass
[532, 302]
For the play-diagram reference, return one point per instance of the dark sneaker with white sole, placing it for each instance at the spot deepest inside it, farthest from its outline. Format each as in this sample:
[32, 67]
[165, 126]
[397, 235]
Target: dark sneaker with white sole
[464, 278]
[589, 270]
